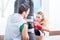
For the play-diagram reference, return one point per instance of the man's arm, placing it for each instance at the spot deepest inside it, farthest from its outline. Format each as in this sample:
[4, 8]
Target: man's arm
[25, 33]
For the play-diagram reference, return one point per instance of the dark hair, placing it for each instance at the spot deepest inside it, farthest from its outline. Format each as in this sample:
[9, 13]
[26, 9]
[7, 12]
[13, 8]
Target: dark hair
[23, 7]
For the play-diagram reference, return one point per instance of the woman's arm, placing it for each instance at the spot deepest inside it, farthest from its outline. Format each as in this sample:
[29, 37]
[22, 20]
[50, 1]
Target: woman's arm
[44, 25]
[45, 29]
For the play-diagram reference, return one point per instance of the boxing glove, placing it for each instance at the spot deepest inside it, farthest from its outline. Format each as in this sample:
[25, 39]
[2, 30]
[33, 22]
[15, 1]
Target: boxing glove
[36, 25]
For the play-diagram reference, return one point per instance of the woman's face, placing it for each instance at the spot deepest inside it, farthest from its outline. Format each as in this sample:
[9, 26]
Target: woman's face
[38, 18]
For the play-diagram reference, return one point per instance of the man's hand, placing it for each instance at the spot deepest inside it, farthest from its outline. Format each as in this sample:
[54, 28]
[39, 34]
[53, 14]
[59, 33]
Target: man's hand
[25, 33]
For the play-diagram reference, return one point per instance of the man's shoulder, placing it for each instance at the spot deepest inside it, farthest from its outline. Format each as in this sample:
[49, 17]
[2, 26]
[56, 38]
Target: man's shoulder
[15, 15]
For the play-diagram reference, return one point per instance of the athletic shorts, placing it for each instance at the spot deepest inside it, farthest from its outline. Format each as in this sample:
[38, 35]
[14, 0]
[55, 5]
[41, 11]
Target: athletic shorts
[39, 33]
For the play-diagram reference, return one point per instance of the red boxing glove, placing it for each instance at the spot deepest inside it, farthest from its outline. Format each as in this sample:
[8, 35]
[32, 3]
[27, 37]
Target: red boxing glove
[36, 25]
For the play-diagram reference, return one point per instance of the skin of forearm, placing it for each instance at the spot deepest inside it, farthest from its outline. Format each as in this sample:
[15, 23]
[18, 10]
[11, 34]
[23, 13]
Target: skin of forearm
[45, 29]
[24, 32]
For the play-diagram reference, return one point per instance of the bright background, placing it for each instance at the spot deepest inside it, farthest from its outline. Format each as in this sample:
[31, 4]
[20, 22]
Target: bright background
[50, 8]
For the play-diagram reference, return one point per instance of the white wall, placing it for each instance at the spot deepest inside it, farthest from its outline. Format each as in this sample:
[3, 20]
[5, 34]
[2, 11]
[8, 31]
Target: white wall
[54, 14]
[8, 9]
[51, 8]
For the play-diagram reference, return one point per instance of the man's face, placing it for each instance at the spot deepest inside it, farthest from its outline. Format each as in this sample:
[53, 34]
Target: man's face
[38, 17]
[26, 13]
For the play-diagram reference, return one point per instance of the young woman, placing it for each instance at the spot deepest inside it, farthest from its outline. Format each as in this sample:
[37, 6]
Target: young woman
[40, 26]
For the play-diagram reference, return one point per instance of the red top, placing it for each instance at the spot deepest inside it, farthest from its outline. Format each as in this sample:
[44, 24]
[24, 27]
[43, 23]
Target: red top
[37, 25]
